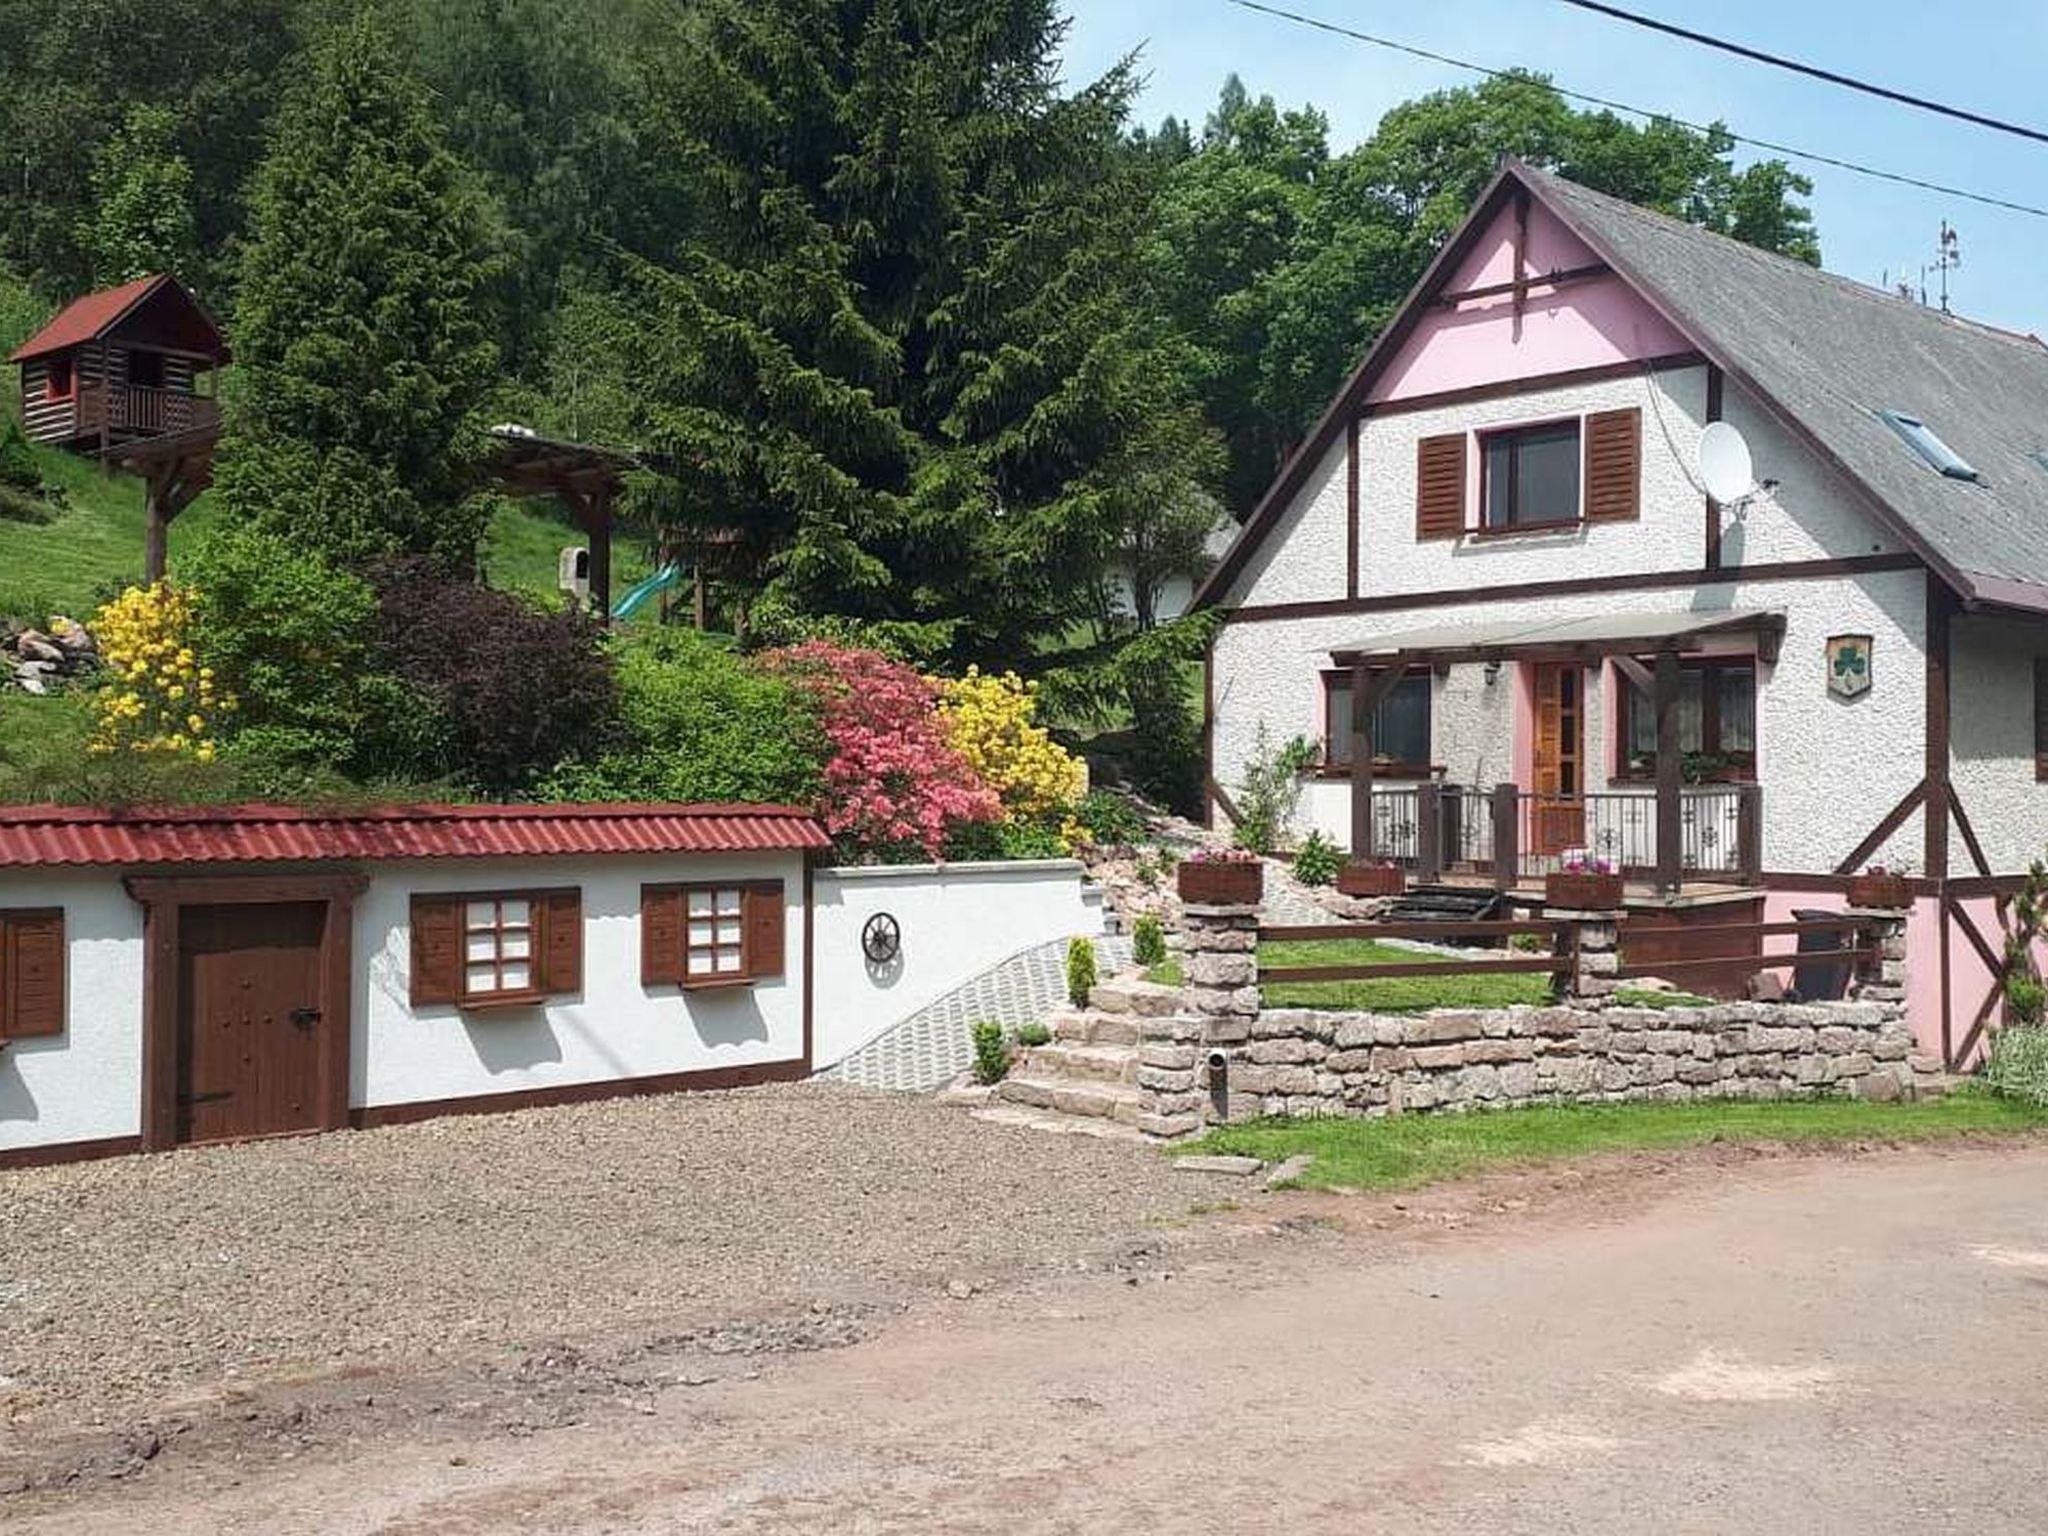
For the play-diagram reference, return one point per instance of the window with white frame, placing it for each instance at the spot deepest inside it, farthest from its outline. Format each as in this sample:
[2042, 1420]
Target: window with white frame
[715, 942]
[498, 947]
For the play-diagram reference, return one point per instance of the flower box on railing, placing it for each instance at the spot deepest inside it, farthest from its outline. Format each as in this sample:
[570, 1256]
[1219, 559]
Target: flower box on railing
[1221, 879]
[1879, 890]
[1582, 891]
[1357, 879]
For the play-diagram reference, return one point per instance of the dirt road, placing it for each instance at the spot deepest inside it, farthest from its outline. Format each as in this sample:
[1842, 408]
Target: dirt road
[1722, 1345]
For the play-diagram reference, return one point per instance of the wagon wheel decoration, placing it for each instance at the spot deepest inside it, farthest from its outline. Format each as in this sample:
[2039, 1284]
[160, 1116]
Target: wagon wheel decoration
[881, 939]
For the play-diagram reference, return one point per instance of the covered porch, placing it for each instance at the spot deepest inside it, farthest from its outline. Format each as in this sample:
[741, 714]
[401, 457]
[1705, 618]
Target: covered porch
[1663, 833]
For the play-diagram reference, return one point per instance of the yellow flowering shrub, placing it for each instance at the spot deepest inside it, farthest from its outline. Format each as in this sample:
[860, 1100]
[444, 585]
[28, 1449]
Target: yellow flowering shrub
[156, 697]
[989, 720]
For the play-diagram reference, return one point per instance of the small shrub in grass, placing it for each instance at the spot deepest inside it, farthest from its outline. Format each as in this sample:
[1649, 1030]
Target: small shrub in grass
[991, 1052]
[1080, 972]
[1529, 944]
[2018, 1067]
[1148, 941]
[1033, 1034]
[1317, 860]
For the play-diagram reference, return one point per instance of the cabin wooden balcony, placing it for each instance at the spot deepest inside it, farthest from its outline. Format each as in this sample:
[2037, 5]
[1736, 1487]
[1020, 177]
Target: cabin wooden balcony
[128, 411]
[1710, 838]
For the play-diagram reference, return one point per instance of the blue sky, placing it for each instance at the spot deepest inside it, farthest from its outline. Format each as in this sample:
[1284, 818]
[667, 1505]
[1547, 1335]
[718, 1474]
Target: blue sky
[1990, 56]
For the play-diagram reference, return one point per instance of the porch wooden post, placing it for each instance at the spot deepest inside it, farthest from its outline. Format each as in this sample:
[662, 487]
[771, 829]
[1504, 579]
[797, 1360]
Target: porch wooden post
[1361, 763]
[1507, 851]
[1429, 831]
[1749, 833]
[1670, 855]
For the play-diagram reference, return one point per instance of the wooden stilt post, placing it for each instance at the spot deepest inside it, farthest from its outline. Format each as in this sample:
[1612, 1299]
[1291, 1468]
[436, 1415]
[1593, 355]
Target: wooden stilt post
[1670, 848]
[1361, 764]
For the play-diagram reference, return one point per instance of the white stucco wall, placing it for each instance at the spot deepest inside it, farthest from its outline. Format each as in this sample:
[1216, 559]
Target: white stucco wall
[1992, 739]
[1830, 769]
[1302, 558]
[1811, 514]
[956, 921]
[614, 1028]
[86, 1083]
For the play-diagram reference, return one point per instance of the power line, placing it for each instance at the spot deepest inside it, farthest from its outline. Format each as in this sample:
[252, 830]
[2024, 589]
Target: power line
[1742, 50]
[1622, 106]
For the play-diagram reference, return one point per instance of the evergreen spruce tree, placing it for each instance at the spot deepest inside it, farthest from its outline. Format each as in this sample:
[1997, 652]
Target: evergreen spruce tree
[363, 357]
[904, 346]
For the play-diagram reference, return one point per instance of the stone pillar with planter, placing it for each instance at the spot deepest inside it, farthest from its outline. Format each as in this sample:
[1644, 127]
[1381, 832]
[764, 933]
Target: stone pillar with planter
[1220, 971]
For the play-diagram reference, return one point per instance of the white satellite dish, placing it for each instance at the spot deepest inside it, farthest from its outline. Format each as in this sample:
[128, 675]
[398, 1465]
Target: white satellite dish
[1725, 466]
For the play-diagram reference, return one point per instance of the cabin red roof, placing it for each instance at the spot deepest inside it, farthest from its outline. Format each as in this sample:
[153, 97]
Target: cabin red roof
[91, 317]
[33, 835]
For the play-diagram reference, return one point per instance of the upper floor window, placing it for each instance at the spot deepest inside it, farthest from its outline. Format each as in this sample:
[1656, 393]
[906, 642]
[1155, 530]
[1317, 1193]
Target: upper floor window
[1400, 722]
[62, 379]
[1529, 476]
[1716, 722]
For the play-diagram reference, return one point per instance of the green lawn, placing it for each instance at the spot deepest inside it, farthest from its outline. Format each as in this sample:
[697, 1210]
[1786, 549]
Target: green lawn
[1396, 994]
[94, 547]
[1640, 997]
[1402, 1151]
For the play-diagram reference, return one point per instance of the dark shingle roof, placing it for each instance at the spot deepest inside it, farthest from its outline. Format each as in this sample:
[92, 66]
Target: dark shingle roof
[1829, 353]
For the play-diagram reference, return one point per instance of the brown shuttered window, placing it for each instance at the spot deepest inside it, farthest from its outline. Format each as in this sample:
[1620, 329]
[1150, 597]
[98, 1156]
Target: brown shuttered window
[1440, 487]
[2041, 718]
[487, 948]
[31, 973]
[711, 935]
[1614, 466]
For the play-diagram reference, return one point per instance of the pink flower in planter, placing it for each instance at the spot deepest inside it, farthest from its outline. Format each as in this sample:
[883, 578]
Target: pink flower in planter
[1222, 856]
[892, 781]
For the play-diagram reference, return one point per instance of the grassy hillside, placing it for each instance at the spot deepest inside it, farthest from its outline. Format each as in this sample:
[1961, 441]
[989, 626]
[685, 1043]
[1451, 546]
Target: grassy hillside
[91, 549]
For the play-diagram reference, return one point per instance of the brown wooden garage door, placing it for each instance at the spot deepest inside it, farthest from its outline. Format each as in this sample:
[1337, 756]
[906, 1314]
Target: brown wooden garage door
[249, 1019]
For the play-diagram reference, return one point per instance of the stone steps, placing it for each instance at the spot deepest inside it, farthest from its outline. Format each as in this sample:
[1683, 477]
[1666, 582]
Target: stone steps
[1087, 1099]
[1081, 1063]
[1089, 1028]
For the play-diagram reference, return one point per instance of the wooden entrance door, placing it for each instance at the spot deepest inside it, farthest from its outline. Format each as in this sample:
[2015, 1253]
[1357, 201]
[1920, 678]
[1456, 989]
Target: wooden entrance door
[249, 1019]
[1559, 820]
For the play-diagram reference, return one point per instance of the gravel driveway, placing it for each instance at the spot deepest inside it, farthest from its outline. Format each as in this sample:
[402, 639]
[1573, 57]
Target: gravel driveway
[123, 1280]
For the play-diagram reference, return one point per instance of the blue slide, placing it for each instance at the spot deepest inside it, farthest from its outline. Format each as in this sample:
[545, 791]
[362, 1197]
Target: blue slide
[661, 581]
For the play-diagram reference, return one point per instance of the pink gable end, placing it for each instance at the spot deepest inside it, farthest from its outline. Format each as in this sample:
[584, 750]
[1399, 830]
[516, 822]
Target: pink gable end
[1587, 323]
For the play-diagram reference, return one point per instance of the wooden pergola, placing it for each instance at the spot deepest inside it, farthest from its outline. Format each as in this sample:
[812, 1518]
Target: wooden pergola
[587, 478]
[176, 466]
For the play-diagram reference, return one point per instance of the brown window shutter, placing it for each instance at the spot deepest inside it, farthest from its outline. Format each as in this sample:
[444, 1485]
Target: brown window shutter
[661, 934]
[32, 973]
[764, 930]
[1440, 486]
[1614, 466]
[436, 949]
[2041, 718]
[562, 938]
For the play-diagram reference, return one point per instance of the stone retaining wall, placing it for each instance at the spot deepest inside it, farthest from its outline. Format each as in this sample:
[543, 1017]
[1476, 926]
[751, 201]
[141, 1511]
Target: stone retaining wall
[1224, 1058]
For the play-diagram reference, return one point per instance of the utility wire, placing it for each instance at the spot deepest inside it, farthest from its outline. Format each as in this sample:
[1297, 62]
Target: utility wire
[1742, 50]
[1622, 106]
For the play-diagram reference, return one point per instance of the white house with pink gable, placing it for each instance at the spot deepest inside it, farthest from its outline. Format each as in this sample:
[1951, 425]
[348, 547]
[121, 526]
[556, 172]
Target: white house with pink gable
[1498, 538]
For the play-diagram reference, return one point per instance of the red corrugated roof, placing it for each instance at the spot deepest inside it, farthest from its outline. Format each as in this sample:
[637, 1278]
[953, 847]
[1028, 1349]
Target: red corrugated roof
[257, 834]
[83, 319]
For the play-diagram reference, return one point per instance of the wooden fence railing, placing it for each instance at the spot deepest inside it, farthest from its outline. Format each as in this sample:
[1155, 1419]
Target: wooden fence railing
[1562, 962]
[1738, 947]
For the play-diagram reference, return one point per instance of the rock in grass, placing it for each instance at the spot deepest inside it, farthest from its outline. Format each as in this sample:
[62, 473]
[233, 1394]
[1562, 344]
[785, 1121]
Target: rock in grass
[1288, 1171]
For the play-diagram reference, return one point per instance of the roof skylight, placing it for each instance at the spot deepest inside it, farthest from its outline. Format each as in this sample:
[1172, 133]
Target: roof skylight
[1923, 440]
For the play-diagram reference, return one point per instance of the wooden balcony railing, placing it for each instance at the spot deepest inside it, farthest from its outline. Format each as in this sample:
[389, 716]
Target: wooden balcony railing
[1515, 835]
[134, 410]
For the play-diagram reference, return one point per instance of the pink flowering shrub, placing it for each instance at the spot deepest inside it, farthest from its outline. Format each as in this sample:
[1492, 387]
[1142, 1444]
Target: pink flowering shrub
[893, 785]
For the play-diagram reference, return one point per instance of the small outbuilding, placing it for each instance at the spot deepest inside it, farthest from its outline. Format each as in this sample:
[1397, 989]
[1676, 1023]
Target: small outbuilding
[174, 977]
[121, 364]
